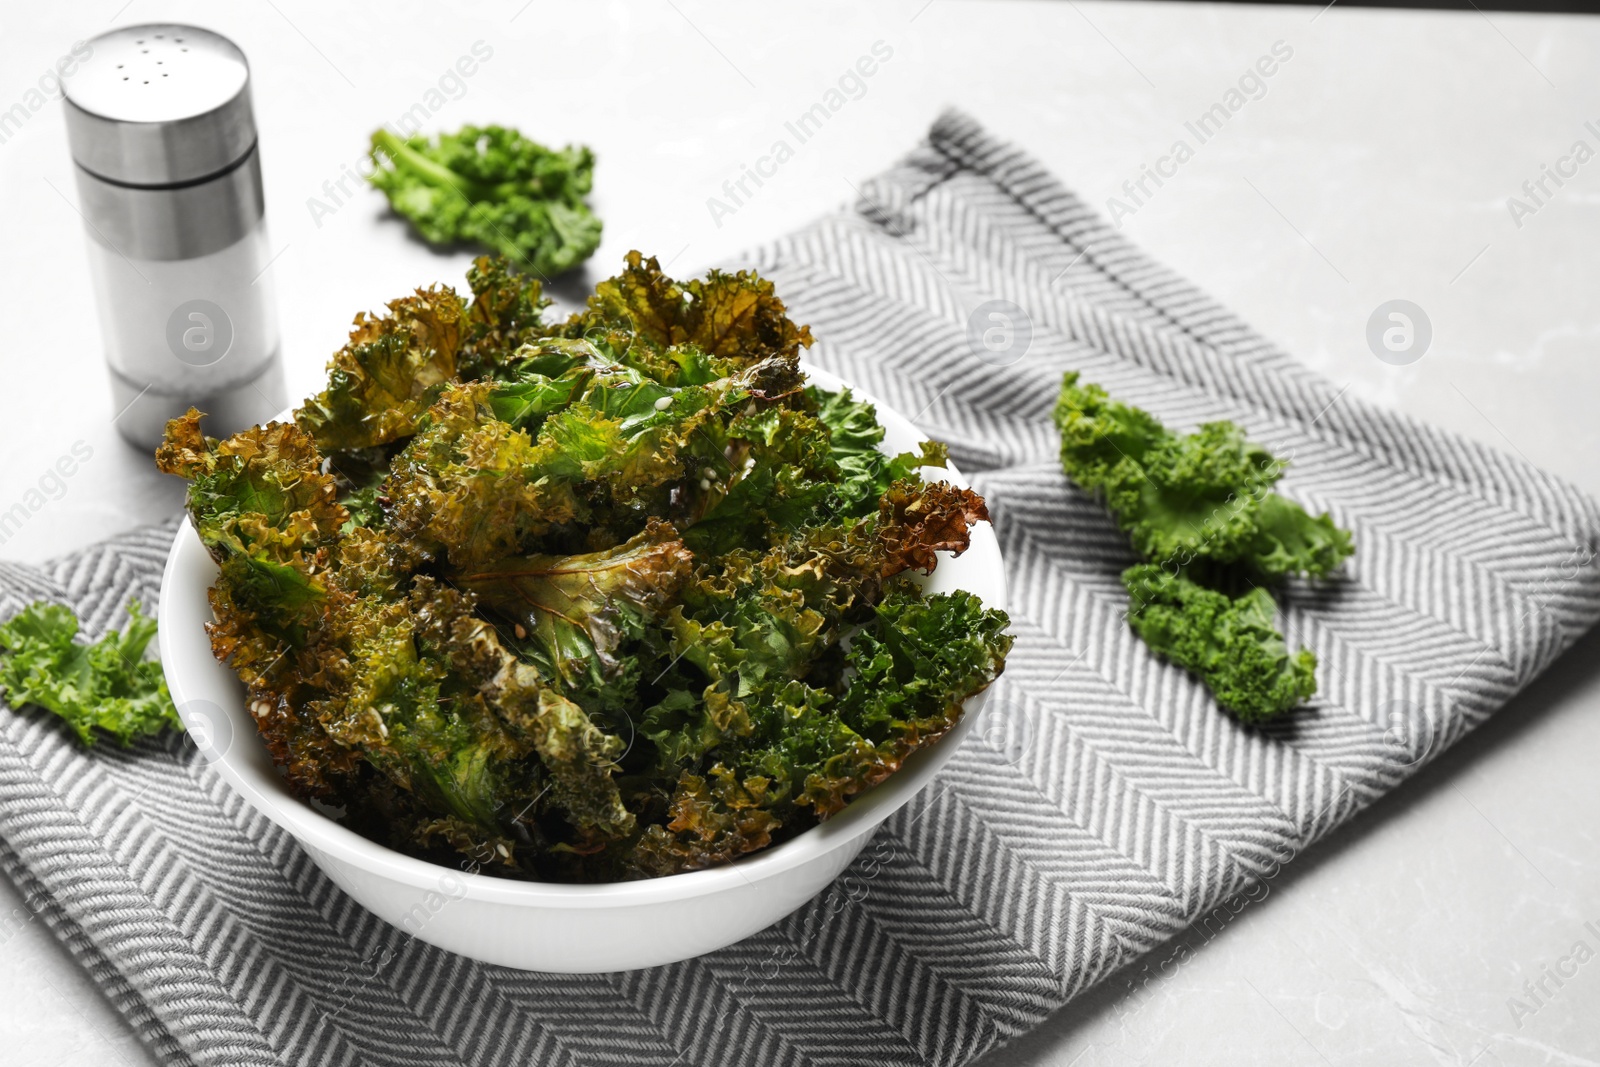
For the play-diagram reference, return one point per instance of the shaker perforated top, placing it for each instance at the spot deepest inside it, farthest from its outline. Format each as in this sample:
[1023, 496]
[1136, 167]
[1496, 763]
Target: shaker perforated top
[160, 105]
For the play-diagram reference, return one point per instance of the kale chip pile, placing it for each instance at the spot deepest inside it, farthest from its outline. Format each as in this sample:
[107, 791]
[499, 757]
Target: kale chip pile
[591, 600]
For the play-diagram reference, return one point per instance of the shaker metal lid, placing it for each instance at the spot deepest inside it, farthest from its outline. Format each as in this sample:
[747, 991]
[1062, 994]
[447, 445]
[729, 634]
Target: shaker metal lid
[160, 104]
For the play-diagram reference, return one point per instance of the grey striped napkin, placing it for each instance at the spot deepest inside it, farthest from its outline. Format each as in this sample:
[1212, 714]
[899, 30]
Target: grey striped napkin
[1102, 806]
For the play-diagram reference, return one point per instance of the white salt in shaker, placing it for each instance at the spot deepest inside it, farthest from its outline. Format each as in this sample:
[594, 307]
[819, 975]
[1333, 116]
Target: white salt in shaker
[169, 180]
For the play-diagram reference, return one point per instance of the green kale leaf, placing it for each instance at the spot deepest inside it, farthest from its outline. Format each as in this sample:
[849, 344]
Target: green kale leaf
[1232, 643]
[1201, 510]
[493, 186]
[107, 687]
[1207, 496]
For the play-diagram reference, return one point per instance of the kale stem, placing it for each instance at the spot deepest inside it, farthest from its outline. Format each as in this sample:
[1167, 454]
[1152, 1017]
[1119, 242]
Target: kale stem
[403, 155]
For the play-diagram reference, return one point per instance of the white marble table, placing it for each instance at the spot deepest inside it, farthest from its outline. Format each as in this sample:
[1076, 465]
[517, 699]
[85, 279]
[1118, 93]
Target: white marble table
[1375, 165]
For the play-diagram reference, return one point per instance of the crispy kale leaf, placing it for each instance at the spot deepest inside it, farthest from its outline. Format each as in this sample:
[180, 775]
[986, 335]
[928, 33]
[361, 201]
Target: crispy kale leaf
[493, 186]
[1232, 643]
[577, 439]
[1202, 510]
[395, 366]
[917, 519]
[265, 512]
[689, 333]
[790, 752]
[349, 675]
[431, 697]
[388, 373]
[507, 312]
[107, 687]
[268, 515]
[578, 612]
[386, 699]
[865, 473]
[475, 488]
[789, 725]
[911, 671]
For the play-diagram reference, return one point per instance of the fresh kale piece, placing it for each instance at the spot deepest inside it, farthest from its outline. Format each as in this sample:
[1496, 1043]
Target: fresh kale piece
[1200, 509]
[1207, 496]
[600, 599]
[493, 186]
[1232, 643]
[107, 687]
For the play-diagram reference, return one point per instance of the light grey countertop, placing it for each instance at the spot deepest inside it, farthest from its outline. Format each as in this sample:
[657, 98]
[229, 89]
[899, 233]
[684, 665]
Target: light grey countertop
[1375, 164]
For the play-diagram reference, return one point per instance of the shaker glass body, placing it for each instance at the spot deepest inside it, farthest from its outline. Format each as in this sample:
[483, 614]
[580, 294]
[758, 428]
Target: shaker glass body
[169, 179]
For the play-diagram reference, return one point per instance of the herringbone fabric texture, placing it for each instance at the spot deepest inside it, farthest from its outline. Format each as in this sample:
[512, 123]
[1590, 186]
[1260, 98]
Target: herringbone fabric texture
[1099, 809]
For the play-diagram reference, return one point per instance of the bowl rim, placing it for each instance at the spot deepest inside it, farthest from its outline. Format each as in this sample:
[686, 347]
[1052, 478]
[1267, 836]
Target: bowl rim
[329, 839]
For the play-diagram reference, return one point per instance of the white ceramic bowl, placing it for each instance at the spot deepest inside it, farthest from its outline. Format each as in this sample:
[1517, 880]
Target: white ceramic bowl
[533, 925]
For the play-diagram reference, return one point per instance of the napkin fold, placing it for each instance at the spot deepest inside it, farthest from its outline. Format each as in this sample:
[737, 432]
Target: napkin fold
[1101, 806]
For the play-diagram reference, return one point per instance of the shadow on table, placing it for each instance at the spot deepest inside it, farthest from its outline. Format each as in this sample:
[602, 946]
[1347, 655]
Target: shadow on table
[1526, 712]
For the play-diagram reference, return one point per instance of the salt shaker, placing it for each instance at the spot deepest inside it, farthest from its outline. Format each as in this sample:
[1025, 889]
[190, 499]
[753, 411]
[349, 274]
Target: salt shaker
[169, 181]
